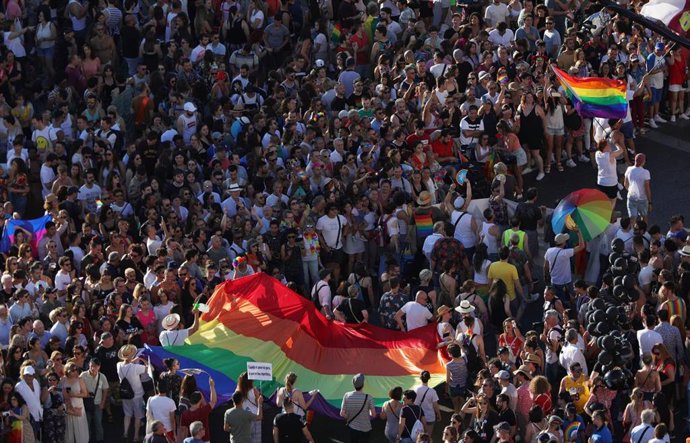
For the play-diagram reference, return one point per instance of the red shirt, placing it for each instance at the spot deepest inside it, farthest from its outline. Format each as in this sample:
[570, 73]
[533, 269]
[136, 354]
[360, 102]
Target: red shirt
[363, 50]
[201, 414]
[442, 149]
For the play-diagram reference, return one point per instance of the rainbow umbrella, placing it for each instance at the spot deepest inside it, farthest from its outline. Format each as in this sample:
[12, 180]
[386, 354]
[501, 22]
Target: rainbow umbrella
[588, 209]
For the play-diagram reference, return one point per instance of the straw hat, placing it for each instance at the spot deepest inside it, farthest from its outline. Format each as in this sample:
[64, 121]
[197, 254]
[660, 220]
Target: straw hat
[424, 198]
[465, 307]
[127, 352]
[442, 310]
[170, 322]
[524, 370]
[532, 358]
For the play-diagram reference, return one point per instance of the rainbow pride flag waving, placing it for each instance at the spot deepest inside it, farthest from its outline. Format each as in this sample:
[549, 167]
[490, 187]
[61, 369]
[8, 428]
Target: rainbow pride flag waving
[595, 96]
[257, 319]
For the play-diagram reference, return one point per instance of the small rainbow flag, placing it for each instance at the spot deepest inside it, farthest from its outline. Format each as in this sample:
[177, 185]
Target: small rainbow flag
[257, 319]
[15, 434]
[337, 33]
[425, 225]
[595, 96]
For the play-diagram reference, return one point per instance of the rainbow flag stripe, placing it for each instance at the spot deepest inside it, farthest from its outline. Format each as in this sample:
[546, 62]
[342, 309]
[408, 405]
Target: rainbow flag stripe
[258, 319]
[425, 225]
[595, 96]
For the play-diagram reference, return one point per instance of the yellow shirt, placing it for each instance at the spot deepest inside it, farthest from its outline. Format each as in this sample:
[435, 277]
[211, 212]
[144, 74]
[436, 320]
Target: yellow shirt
[580, 386]
[506, 272]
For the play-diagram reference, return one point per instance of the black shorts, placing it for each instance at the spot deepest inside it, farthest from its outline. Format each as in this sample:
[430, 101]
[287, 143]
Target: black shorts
[333, 256]
[610, 191]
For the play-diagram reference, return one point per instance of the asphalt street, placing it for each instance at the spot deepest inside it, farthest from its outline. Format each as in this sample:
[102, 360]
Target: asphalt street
[668, 161]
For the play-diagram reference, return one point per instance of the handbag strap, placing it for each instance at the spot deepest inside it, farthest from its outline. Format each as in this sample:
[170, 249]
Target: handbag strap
[98, 380]
[643, 434]
[364, 403]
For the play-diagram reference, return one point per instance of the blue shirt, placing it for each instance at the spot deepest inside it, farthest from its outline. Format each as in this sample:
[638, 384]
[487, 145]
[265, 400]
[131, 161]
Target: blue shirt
[193, 440]
[602, 435]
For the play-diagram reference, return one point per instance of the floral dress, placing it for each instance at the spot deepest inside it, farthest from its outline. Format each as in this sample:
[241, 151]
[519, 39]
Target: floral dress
[54, 418]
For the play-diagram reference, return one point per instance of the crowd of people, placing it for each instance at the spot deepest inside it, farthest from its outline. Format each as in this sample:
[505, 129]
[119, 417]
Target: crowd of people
[340, 147]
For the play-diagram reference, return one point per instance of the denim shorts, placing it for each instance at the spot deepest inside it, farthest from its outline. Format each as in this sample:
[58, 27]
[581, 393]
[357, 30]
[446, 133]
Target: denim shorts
[628, 130]
[46, 52]
[637, 208]
[656, 95]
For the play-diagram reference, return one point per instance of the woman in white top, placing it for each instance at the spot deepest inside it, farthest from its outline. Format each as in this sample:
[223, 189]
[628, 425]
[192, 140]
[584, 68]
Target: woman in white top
[607, 176]
[46, 33]
[14, 39]
[295, 395]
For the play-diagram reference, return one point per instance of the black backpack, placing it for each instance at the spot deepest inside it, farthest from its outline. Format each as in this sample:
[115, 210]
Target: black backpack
[474, 363]
[126, 392]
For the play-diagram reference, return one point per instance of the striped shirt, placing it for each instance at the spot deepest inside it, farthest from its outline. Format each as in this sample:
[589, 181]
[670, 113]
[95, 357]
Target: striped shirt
[457, 372]
[352, 404]
[113, 19]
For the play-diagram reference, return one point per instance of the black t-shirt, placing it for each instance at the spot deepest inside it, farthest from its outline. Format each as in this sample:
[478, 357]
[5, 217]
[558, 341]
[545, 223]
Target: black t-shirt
[290, 427]
[352, 309]
[130, 328]
[412, 413]
[529, 215]
[508, 416]
[108, 358]
[485, 426]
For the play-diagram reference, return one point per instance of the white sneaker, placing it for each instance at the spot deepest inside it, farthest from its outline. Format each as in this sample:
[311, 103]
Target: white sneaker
[658, 119]
[583, 158]
[540, 176]
[683, 116]
[652, 124]
[673, 119]
[527, 170]
[570, 163]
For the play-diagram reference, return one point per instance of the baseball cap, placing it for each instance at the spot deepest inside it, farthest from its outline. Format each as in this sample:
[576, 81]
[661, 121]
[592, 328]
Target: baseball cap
[659, 46]
[189, 107]
[502, 375]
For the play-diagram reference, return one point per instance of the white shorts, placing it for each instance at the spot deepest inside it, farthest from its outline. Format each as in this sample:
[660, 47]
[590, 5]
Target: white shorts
[675, 88]
[134, 407]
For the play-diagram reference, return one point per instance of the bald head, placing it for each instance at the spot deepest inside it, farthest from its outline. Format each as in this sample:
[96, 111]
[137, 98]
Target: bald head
[420, 297]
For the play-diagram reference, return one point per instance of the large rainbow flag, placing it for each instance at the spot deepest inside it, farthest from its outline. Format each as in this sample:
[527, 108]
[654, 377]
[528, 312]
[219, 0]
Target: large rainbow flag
[257, 319]
[594, 96]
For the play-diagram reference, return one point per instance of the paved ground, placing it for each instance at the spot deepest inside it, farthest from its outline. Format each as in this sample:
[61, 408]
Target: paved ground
[668, 160]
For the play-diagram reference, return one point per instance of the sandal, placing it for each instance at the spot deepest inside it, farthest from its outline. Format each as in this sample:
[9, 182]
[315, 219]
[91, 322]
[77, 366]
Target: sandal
[559, 166]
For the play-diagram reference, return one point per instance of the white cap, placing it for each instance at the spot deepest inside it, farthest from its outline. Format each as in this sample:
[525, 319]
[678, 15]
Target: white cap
[459, 203]
[189, 107]
[28, 370]
[319, 63]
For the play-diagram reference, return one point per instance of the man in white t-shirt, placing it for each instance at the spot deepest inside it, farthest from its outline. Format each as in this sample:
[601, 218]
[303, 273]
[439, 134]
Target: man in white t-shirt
[48, 174]
[637, 182]
[162, 408]
[322, 292]
[648, 337]
[89, 193]
[557, 264]
[332, 229]
[173, 334]
[416, 313]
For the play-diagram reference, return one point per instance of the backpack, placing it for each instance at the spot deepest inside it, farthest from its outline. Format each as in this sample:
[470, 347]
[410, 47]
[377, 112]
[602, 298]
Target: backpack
[358, 285]
[385, 239]
[474, 363]
[417, 427]
[125, 390]
[315, 296]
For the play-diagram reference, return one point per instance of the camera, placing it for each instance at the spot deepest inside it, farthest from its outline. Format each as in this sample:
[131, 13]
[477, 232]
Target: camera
[6, 414]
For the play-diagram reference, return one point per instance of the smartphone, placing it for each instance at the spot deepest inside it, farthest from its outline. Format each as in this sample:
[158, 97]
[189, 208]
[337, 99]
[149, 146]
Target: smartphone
[556, 95]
